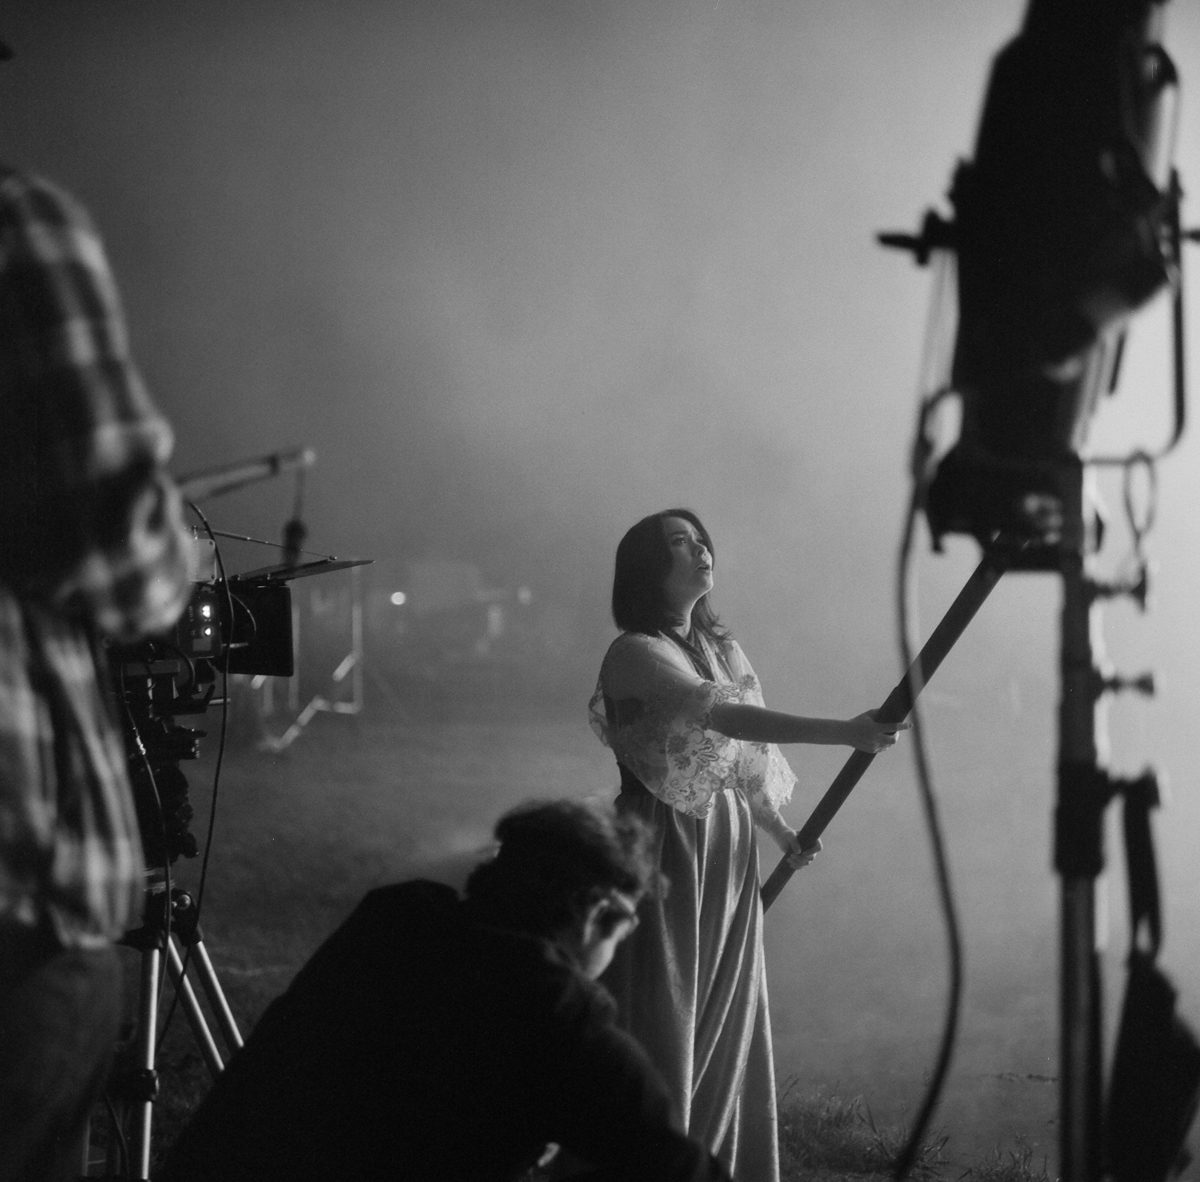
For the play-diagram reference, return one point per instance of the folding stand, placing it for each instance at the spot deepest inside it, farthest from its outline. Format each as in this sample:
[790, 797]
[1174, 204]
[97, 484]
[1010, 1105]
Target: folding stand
[170, 920]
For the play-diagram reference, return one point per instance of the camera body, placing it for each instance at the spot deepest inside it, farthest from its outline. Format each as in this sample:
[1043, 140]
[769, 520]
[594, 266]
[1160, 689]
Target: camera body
[165, 683]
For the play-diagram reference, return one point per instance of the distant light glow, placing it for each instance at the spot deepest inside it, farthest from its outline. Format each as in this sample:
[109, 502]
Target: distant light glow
[398, 599]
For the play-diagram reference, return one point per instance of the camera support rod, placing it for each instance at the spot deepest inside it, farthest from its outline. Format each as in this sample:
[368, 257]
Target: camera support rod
[898, 704]
[216, 481]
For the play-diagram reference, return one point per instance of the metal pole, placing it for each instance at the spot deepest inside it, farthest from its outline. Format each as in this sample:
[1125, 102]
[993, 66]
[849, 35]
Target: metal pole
[897, 706]
[1079, 852]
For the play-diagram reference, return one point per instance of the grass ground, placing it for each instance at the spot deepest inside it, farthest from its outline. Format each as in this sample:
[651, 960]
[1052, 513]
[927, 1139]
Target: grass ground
[831, 1138]
[300, 835]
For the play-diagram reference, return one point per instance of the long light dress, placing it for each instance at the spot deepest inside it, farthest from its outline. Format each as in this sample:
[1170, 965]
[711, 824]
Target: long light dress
[690, 981]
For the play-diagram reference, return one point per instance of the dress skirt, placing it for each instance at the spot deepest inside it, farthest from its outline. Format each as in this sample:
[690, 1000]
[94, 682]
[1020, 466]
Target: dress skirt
[691, 986]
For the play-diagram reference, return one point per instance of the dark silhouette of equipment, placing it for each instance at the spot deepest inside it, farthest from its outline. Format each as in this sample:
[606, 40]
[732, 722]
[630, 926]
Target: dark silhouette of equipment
[1066, 222]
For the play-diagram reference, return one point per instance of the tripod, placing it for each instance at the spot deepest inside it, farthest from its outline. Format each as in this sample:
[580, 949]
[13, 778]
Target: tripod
[170, 920]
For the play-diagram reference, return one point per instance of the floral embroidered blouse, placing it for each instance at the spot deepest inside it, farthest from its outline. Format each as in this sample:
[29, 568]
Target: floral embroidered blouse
[652, 707]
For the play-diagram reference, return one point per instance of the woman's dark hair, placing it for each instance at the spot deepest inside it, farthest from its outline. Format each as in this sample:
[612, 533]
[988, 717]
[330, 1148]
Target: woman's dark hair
[639, 603]
[558, 856]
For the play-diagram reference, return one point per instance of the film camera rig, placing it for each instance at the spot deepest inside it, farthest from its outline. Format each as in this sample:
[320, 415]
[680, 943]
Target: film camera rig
[241, 624]
[238, 625]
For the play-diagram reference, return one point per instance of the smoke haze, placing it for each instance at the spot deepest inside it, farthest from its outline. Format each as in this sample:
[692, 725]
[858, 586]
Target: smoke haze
[522, 271]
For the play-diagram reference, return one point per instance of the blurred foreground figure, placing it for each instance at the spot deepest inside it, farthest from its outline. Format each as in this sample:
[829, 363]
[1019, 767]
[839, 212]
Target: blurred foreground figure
[439, 1039]
[92, 547]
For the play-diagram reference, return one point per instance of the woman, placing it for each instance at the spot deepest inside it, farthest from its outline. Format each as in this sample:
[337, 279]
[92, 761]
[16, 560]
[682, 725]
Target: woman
[682, 710]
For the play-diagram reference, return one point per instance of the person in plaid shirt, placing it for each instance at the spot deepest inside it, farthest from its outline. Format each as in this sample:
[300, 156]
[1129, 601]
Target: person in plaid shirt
[93, 547]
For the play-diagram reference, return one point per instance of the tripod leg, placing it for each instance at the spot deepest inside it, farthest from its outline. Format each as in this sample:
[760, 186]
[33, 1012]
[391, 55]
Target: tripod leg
[144, 1083]
[187, 929]
[130, 1145]
[215, 994]
[195, 1016]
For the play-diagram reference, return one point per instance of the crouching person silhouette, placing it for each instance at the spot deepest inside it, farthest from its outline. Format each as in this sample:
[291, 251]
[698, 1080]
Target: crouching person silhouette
[451, 1039]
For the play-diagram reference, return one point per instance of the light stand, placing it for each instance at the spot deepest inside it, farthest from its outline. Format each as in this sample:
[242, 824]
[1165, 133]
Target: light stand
[1079, 857]
[1066, 224]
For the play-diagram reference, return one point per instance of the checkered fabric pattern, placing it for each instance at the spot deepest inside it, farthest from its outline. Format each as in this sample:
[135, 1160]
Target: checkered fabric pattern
[92, 546]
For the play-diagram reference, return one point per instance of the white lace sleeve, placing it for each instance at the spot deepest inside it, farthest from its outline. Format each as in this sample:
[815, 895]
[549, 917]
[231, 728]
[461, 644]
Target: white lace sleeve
[652, 708]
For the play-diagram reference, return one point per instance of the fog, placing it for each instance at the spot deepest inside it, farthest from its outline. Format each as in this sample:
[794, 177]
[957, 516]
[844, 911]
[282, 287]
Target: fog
[521, 271]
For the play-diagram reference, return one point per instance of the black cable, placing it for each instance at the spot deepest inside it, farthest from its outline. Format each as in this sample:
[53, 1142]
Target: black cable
[185, 959]
[224, 728]
[908, 1154]
[935, 378]
[148, 768]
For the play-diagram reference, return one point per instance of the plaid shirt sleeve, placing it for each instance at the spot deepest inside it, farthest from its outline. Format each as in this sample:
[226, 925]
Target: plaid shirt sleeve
[92, 542]
[104, 532]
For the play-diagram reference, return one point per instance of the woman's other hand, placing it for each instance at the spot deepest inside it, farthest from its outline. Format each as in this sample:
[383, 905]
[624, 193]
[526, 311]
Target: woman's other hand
[867, 733]
[798, 858]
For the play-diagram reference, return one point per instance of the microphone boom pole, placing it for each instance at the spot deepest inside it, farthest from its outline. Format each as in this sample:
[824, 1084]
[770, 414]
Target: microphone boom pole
[899, 704]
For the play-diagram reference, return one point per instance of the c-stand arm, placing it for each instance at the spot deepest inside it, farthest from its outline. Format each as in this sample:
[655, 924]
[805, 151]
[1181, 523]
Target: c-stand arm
[898, 705]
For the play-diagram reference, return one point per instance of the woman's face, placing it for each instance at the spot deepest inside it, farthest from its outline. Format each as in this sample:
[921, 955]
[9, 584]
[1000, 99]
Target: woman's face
[691, 574]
